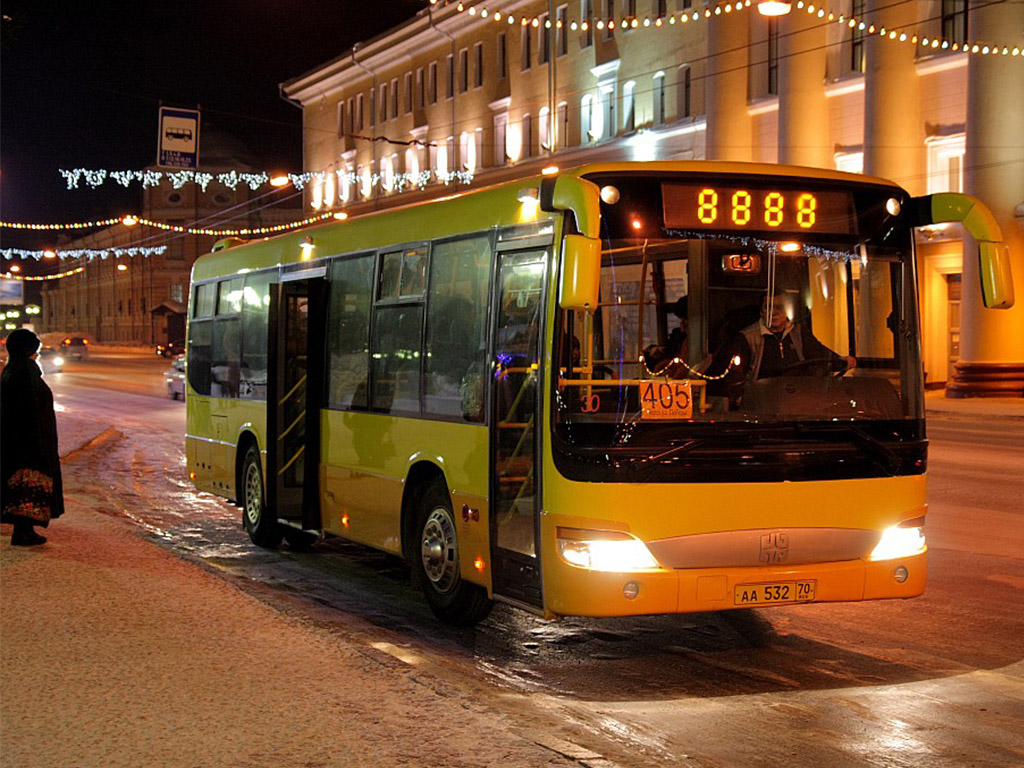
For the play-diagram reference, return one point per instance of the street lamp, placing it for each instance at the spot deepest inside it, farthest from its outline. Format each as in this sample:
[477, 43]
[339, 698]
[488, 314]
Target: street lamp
[774, 7]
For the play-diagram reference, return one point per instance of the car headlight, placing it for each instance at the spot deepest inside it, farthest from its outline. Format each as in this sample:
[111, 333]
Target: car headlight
[604, 550]
[58, 361]
[903, 540]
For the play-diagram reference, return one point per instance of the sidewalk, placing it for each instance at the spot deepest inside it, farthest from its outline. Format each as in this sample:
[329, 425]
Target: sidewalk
[936, 404]
[116, 652]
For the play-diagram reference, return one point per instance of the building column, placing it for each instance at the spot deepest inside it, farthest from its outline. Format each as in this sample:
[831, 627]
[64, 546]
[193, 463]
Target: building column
[893, 129]
[803, 109]
[992, 340]
[729, 135]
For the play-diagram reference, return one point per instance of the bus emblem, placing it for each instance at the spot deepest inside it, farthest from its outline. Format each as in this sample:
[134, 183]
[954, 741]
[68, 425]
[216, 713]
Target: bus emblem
[774, 548]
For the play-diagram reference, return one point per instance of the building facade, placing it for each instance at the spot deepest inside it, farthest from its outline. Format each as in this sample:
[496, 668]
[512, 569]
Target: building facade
[142, 300]
[474, 93]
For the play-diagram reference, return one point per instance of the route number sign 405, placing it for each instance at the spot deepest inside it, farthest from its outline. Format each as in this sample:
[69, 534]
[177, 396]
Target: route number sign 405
[666, 399]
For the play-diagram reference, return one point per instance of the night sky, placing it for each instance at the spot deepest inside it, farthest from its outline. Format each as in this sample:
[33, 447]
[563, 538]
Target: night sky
[81, 83]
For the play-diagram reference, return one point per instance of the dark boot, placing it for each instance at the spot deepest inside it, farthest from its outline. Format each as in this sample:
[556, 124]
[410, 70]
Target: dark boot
[25, 536]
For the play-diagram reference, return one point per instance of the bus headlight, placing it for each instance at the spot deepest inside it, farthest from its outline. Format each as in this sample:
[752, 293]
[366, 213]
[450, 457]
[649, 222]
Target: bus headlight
[900, 541]
[604, 550]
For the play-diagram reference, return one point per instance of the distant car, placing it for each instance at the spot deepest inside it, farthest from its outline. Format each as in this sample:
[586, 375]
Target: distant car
[170, 349]
[50, 360]
[75, 347]
[175, 378]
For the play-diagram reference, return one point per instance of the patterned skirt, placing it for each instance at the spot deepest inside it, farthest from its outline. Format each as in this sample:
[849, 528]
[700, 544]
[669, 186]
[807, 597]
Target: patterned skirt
[27, 497]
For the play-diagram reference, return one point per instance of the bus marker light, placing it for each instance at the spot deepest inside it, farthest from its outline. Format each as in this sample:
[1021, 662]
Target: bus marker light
[789, 247]
[901, 574]
[468, 513]
[479, 564]
[191, 475]
[892, 205]
[344, 519]
[630, 590]
[549, 170]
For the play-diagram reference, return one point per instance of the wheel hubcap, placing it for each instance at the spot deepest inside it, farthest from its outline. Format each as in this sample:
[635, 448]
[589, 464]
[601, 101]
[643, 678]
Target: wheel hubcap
[438, 550]
[253, 494]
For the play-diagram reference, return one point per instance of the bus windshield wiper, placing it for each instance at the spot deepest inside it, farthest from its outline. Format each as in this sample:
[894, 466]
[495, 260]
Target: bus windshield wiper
[883, 455]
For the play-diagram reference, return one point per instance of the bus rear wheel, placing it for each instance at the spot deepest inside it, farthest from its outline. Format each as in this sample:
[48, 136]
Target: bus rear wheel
[436, 562]
[258, 522]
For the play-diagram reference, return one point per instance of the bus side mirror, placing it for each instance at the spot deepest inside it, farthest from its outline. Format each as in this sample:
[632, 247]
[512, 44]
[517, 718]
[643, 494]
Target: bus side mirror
[581, 273]
[977, 219]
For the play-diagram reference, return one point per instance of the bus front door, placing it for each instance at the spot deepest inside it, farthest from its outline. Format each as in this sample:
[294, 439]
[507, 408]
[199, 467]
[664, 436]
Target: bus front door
[294, 394]
[515, 441]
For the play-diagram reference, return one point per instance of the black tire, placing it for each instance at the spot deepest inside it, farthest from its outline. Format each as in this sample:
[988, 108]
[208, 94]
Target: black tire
[258, 522]
[435, 561]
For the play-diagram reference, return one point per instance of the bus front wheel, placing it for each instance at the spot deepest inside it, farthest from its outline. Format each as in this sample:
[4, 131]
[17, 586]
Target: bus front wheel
[436, 562]
[258, 522]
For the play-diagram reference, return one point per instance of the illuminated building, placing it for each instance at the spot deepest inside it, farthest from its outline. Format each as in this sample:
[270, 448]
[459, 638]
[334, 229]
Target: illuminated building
[674, 80]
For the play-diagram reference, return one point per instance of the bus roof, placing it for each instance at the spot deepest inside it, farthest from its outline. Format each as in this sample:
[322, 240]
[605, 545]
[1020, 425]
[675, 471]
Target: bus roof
[466, 211]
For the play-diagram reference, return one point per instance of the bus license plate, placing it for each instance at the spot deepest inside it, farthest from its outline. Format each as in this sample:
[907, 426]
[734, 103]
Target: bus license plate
[666, 399]
[774, 593]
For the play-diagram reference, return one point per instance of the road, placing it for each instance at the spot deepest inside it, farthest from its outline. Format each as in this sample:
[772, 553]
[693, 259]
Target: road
[936, 681]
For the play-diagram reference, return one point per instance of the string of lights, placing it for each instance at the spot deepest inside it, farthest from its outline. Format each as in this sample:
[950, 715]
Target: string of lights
[40, 278]
[82, 253]
[131, 221]
[687, 16]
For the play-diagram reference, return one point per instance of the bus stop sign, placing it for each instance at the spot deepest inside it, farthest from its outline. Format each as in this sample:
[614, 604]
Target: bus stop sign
[178, 142]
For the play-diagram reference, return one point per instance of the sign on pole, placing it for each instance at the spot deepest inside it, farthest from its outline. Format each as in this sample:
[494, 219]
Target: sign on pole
[178, 143]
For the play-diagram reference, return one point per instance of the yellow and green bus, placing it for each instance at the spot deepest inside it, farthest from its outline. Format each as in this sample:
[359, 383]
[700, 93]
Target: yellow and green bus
[628, 388]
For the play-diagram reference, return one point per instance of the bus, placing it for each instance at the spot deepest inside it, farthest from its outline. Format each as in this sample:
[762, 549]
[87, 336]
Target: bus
[622, 389]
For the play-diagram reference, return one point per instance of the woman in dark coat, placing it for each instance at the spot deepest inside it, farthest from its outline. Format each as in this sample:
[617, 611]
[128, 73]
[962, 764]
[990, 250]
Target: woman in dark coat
[29, 463]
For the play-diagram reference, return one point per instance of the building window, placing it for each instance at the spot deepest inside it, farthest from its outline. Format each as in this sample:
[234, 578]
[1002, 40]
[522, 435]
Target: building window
[659, 98]
[421, 93]
[661, 8]
[502, 56]
[449, 91]
[773, 55]
[954, 20]
[630, 14]
[609, 16]
[587, 22]
[463, 70]
[394, 98]
[544, 128]
[527, 136]
[432, 70]
[945, 163]
[408, 92]
[500, 139]
[685, 91]
[341, 119]
[544, 39]
[359, 111]
[562, 30]
[586, 118]
[562, 125]
[478, 69]
[850, 162]
[525, 52]
[857, 38]
[608, 97]
[351, 115]
[628, 107]
[383, 103]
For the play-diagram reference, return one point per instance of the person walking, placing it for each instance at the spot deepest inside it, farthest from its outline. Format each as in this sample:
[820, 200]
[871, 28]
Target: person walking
[32, 491]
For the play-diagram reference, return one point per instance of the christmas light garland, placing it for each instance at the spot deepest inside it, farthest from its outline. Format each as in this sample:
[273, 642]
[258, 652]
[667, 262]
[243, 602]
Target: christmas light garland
[83, 253]
[39, 278]
[131, 221]
[686, 16]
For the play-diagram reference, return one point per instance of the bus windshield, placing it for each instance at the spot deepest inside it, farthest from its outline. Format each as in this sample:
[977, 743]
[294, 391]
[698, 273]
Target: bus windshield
[747, 330]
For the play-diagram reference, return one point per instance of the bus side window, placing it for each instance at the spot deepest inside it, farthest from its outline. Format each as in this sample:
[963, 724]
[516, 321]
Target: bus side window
[253, 369]
[456, 341]
[348, 331]
[200, 342]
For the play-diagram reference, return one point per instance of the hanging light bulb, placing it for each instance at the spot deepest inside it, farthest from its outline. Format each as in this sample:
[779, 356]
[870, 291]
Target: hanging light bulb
[774, 7]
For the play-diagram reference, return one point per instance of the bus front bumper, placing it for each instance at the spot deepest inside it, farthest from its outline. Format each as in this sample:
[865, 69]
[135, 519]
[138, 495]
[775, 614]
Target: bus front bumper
[573, 591]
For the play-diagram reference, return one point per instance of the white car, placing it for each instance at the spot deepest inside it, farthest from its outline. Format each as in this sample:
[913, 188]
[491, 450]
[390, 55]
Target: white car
[175, 378]
[50, 360]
